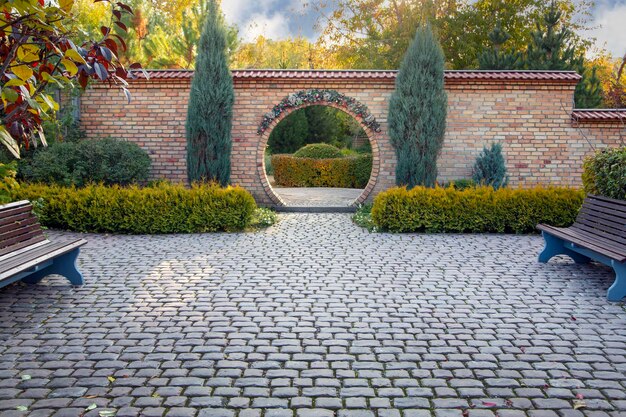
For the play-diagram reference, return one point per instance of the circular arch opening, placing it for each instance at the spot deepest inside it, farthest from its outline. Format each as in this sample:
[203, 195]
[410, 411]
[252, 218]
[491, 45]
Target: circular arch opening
[371, 134]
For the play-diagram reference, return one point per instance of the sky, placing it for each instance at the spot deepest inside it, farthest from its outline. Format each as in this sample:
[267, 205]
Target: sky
[279, 19]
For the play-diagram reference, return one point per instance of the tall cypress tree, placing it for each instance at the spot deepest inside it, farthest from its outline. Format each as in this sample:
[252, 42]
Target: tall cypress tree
[417, 111]
[209, 117]
[551, 48]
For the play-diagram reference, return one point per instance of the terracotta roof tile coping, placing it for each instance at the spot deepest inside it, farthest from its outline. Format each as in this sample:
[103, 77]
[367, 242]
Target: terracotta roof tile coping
[451, 76]
[599, 115]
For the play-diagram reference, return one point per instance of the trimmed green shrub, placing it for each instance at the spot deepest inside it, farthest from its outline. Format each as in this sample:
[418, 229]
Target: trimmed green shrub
[461, 184]
[109, 161]
[164, 208]
[490, 168]
[349, 172]
[475, 210]
[605, 173]
[318, 151]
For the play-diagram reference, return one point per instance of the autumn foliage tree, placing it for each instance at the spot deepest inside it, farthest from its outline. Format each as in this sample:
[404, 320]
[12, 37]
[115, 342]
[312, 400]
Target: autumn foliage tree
[37, 52]
[615, 94]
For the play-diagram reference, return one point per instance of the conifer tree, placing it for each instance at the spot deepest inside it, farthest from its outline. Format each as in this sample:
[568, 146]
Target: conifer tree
[209, 116]
[417, 111]
[490, 167]
[551, 48]
[497, 58]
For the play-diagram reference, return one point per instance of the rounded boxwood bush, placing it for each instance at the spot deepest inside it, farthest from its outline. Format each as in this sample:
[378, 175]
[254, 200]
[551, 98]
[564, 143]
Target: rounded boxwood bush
[108, 161]
[318, 151]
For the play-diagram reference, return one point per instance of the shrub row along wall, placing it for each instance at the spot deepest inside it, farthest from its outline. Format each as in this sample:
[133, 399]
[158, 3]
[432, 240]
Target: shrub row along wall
[529, 115]
[163, 208]
[348, 172]
[475, 210]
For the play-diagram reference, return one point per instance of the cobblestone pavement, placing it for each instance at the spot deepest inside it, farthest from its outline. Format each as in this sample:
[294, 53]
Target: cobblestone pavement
[318, 196]
[311, 318]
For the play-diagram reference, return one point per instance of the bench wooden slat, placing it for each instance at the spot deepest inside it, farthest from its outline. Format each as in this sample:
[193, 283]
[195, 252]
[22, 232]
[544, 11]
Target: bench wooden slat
[24, 218]
[599, 233]
[611, 245]
[17, 235]
[26, 254]
[23, 244]
[568, 235]
[13, 210]
[587, 211]
[607, 214]
[31, 236]
[19, 227]
[16, 214]
[602, 226]
[605, 203]
[28, 259]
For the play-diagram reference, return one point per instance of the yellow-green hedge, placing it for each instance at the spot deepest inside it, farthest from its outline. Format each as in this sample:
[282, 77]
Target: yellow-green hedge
[163, 208]
[348, 172]
[477, 210]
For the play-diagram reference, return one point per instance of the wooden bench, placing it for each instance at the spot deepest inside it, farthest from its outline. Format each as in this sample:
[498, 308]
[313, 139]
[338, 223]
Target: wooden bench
[599, 233]
[26, 254]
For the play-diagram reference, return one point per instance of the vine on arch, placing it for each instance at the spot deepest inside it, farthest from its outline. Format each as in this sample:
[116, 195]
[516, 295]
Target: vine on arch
[295, 100]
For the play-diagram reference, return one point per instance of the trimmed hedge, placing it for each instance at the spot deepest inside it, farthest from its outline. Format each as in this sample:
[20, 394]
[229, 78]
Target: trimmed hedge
[474, 210]
[109, 161]
[349, 172]
[163, 208]
[605, 173]
[318, 151]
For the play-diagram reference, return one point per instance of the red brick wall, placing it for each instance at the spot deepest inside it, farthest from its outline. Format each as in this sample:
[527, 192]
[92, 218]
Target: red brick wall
[532, 120]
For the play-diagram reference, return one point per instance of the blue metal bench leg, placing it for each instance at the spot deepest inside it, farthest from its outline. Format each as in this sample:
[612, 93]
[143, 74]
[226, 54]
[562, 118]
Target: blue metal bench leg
[64, 265]
[618, 289]
[554, 246]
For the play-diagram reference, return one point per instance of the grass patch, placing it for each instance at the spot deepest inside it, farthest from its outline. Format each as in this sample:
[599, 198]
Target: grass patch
[363, 217]
[263, 218]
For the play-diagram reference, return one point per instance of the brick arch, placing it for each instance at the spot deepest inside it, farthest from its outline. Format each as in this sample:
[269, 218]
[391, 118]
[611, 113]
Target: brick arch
[373, 137]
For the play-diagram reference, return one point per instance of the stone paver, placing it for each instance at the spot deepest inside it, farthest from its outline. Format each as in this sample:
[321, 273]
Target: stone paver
[315, 317]
[318, 196]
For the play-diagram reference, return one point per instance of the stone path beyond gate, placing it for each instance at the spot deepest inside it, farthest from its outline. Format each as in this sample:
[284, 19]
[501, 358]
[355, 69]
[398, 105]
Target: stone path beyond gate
[318, 196]
[315, 317]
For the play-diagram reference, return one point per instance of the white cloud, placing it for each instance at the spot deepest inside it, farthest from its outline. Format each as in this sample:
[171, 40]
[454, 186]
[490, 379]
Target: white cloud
[235, 10]
[275, 26]
[271, 18]
[610, 18]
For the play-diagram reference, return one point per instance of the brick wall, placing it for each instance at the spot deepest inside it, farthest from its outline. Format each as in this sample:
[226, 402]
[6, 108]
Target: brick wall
[531, 119]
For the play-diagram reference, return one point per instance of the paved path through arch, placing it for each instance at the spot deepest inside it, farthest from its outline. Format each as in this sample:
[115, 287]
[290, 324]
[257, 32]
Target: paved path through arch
[315, 317]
